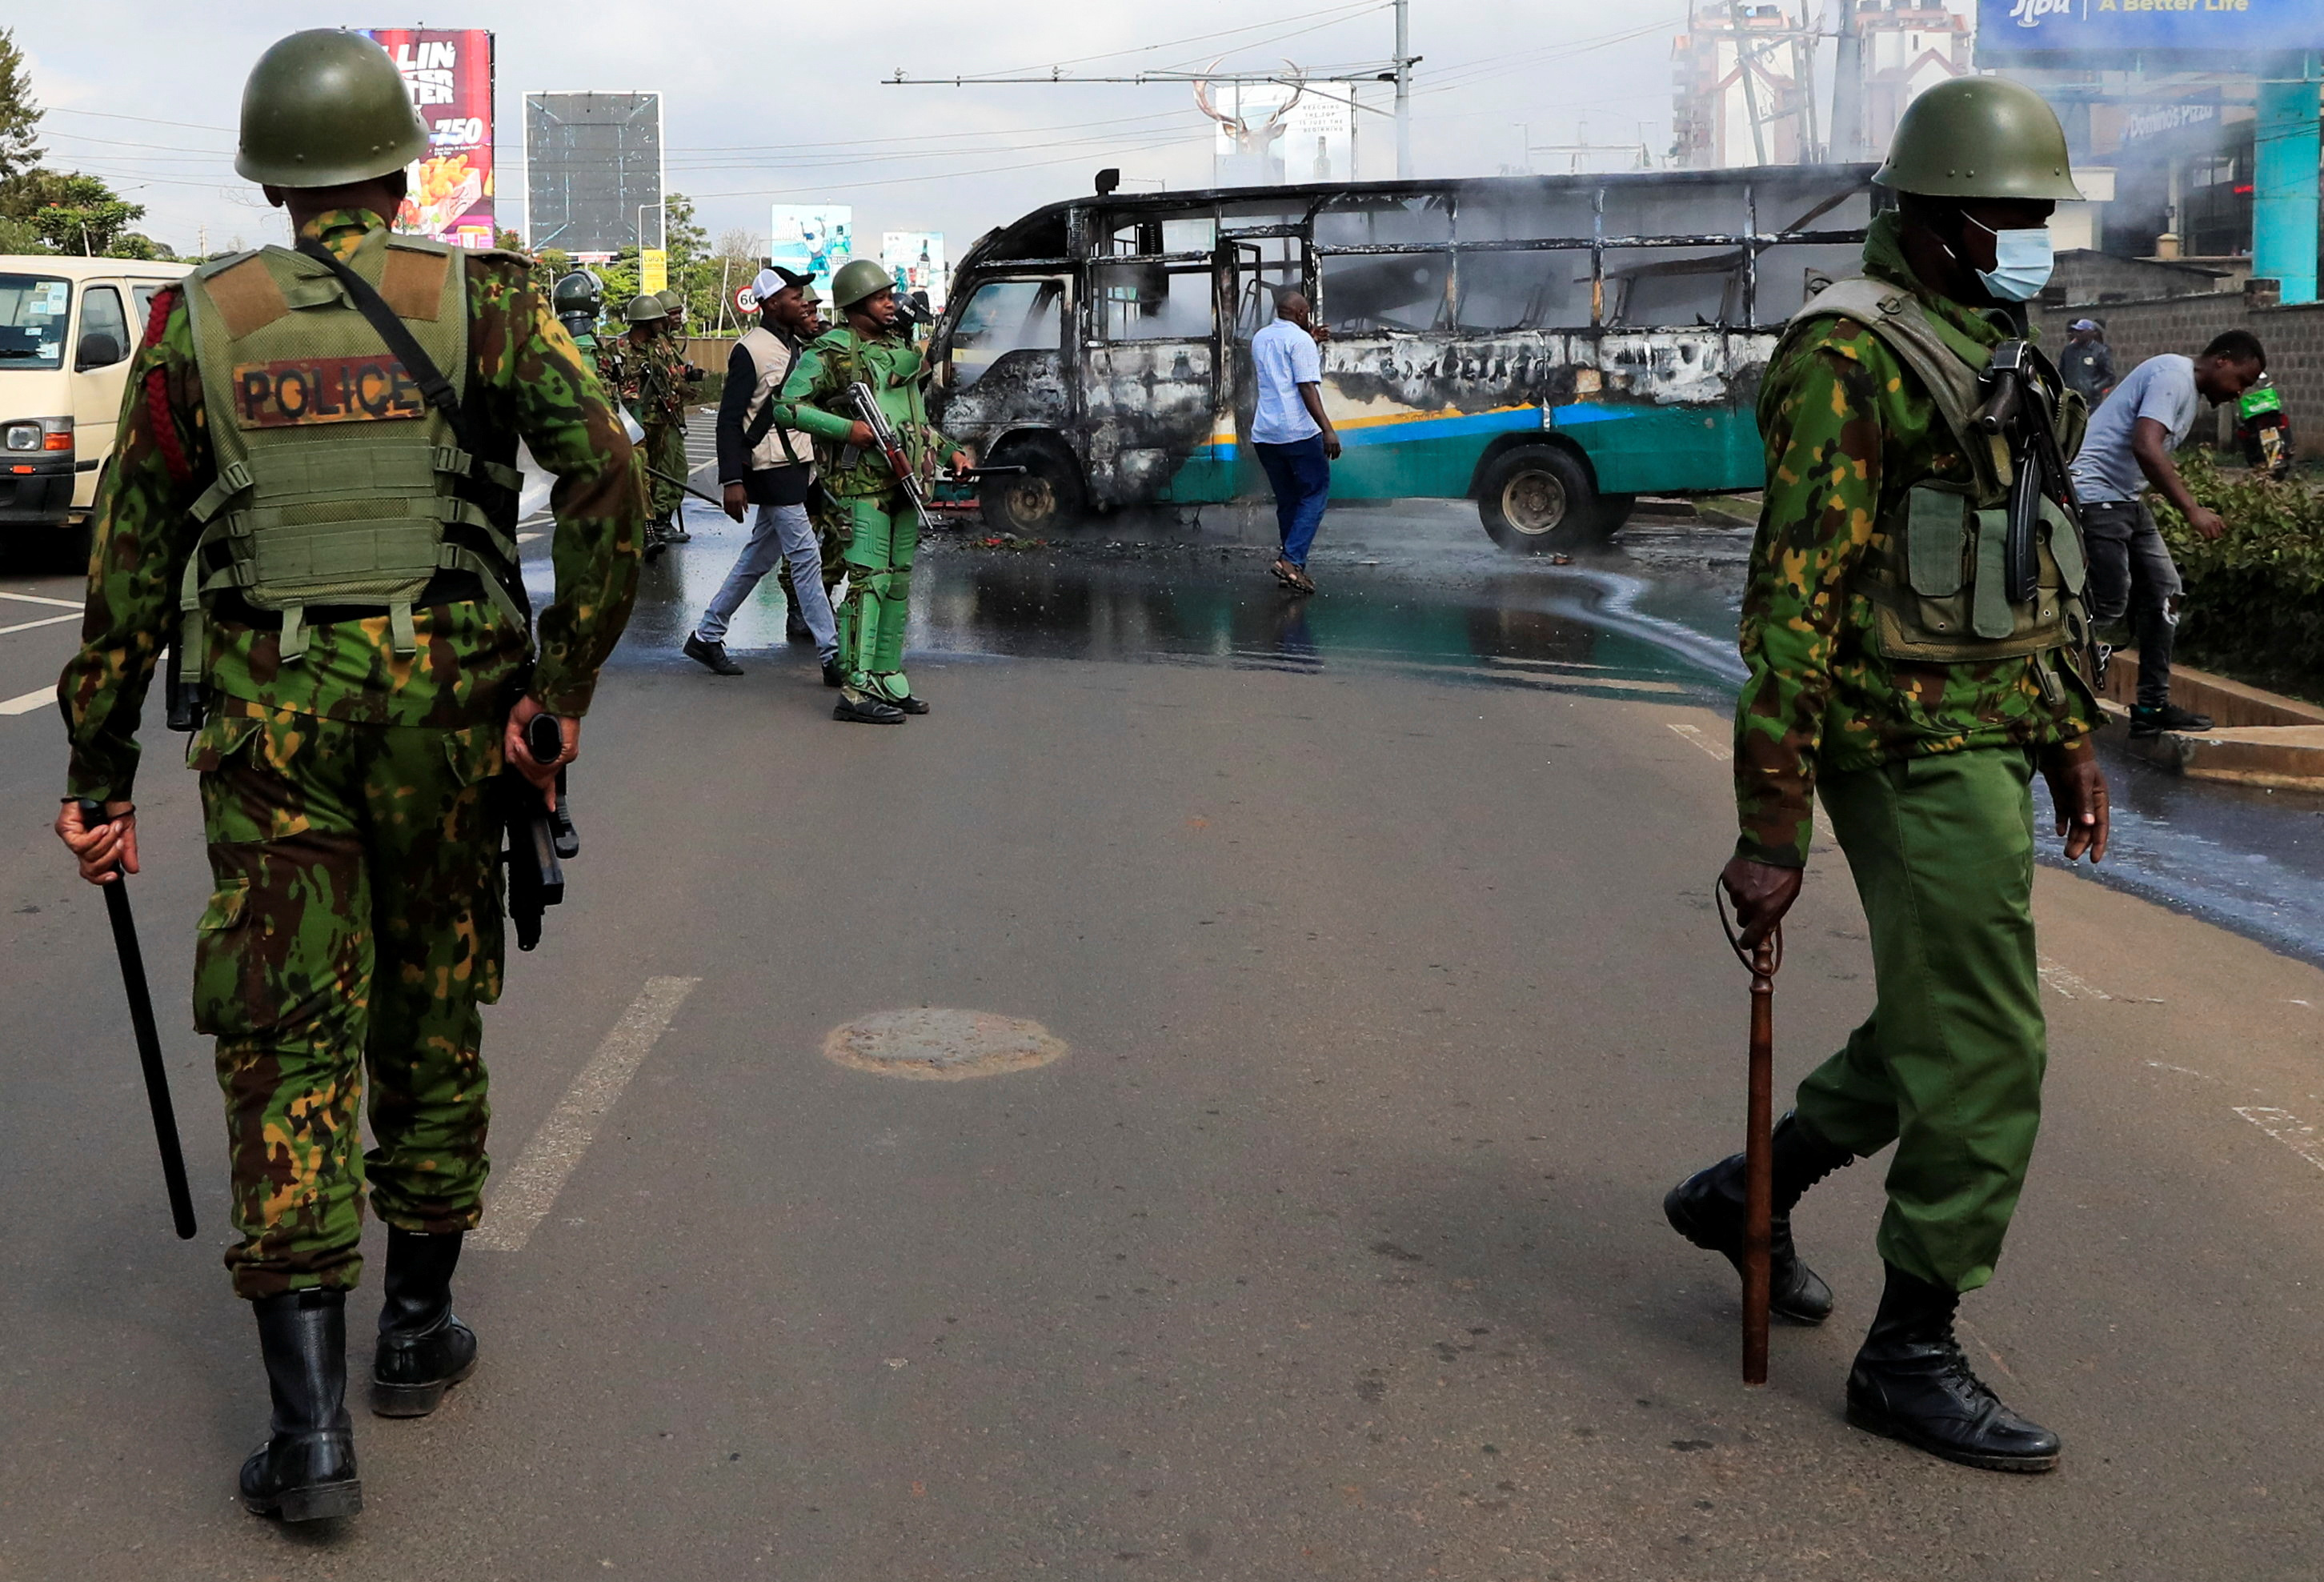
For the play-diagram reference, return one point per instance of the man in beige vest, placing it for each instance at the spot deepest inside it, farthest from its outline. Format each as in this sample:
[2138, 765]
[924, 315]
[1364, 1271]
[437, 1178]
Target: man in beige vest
[763, 465]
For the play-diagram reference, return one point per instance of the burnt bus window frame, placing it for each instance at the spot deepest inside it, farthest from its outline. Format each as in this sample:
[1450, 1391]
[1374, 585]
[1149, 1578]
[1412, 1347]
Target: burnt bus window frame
[1748, 245]
[1169, 265]
[1089, 231]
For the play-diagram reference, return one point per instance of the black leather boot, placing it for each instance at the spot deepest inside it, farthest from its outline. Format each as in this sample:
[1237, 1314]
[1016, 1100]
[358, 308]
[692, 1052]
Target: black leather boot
[1707, 1209]
[1912, 1383]
[424, 1350]
[307, 1470]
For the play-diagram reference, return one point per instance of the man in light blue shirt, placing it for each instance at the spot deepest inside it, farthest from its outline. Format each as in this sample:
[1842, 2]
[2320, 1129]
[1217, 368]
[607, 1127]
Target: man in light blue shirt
[2127, 448]
[1291, 432]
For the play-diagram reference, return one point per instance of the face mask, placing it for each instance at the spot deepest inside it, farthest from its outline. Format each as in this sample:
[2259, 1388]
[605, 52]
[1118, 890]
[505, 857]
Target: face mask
[2022, 261]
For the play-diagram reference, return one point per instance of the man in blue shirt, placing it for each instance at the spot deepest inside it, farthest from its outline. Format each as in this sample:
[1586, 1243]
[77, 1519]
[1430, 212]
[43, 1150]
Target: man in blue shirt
[1293, 436]
[2127, 448]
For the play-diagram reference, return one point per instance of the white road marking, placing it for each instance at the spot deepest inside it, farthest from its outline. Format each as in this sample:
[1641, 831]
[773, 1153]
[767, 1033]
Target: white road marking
[531, 537]
[2164, 1065]
[520, 1205]
[39, 599]
[1726, 754]
[28, 625]
[29, 700]
[2065, 982]
[1718, 750]
[2285, 1127]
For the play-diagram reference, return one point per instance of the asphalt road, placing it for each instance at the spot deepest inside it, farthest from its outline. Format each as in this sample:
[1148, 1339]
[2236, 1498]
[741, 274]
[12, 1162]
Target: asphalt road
[1377, 932]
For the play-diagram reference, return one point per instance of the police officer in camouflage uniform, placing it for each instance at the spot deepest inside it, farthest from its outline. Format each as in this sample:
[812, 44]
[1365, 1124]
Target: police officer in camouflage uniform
[578, 299]
[666, 446]
[881, 531]
[1892, 676]
[367, 665]
[638, 374]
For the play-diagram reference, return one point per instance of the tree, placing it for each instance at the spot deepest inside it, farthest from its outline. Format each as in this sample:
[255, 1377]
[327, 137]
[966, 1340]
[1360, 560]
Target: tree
[689, 252]
[20, 115]
[735, 263]
[75, 213]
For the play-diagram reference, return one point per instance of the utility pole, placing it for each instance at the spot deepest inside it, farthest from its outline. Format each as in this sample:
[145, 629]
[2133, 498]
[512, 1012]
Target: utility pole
[1404, 90]
[1847, 88]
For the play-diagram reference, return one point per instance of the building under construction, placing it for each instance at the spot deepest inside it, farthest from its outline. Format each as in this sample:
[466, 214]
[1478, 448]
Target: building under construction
[1756, 84]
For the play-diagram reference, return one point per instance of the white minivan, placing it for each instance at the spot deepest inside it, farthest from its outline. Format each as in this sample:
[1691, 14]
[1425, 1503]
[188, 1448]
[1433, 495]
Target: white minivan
[67, 328]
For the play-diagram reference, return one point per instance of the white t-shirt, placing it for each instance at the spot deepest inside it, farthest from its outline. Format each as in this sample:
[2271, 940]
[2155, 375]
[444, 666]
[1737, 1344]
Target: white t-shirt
[1284, 357]
[2161, 388]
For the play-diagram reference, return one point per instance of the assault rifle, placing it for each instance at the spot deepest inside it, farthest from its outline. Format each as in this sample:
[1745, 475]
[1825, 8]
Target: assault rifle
[2021, 406]
[538, 836]
[883, 435]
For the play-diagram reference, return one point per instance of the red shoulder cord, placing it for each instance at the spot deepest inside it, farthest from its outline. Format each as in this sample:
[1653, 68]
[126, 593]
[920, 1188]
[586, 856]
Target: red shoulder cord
[157, 392]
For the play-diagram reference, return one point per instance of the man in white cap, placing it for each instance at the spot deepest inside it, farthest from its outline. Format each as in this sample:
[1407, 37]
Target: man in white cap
[762, 465]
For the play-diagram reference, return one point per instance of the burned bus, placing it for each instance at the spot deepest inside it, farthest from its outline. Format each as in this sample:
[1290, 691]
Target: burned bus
[1549, 347]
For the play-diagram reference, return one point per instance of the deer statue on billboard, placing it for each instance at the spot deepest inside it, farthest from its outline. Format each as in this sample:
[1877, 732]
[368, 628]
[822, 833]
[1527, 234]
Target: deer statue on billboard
[1254, 158]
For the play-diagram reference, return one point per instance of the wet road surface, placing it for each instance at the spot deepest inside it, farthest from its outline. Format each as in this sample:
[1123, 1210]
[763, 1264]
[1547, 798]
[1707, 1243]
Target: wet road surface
[1415, 588]
[1375, 933]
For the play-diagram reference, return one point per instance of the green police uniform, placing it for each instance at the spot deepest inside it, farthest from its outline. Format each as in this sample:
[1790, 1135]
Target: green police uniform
[343, 936]
[336, 554]
[1886, 673]
[663, 386]
[878, 529]
[1891, 672]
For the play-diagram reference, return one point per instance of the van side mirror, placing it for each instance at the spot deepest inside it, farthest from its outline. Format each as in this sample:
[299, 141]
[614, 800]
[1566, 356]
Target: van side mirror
[98, 349]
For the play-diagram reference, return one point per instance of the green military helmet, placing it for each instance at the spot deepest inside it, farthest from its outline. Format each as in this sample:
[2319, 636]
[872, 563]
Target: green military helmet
[859, 278]
[1980, 137]
[579, 292]
[645, 308]
[673, 301]
[323, 108]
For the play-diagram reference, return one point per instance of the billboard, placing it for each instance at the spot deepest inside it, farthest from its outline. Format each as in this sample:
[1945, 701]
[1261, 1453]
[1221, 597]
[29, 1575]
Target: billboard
[812, 239]
[915, 261]
[2039, 32]
[593, 172]
[449, 71]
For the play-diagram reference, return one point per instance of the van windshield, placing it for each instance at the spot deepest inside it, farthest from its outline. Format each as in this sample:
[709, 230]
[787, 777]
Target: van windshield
[34, 312]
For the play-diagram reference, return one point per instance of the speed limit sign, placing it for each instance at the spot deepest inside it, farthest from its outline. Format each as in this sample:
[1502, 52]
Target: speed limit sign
[747, 299]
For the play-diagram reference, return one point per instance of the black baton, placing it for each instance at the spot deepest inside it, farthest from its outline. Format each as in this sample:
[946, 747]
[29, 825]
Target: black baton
[149, 1041]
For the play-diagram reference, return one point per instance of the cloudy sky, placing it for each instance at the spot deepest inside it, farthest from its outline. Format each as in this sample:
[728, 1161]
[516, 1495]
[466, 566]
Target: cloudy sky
[767, 105]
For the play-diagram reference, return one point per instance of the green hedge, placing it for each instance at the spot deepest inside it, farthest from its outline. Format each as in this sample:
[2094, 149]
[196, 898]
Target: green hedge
[2255, 597]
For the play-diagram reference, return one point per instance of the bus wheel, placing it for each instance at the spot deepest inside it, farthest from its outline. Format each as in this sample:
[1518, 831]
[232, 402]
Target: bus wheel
[1047, 497]
[1537, 500]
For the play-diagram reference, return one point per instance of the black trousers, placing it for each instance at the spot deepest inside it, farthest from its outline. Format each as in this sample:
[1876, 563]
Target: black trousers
[2132, 573]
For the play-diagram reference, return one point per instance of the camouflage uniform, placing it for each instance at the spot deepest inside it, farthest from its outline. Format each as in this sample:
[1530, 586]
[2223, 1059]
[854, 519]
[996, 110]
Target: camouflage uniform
[661, 370]
[1925, 768]
[873, 522]
[355, 920]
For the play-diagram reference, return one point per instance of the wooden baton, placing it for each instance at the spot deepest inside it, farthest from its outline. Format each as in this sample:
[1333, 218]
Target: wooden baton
[1758, 1146]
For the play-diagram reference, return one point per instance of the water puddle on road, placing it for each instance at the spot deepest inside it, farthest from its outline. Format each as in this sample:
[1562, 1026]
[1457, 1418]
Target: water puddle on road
[1427, 598]
[1418, 591]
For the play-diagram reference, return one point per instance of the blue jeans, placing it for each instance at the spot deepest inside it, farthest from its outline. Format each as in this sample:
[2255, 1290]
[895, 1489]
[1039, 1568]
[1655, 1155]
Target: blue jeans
[1302, 476]
[778, 531]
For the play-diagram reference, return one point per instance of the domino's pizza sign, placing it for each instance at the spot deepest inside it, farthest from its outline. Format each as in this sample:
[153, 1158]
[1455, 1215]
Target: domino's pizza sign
[2013, 30]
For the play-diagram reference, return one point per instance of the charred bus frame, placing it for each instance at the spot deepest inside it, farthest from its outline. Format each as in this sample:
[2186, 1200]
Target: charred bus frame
[1103, 343]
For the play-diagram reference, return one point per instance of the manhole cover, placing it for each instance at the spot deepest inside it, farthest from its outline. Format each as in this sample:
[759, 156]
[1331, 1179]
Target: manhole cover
[931, 1045]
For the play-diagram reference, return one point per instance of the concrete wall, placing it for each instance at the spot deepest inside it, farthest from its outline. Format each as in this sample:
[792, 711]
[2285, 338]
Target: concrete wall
[2087, 276]
[709, 353]
[2293, 336]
